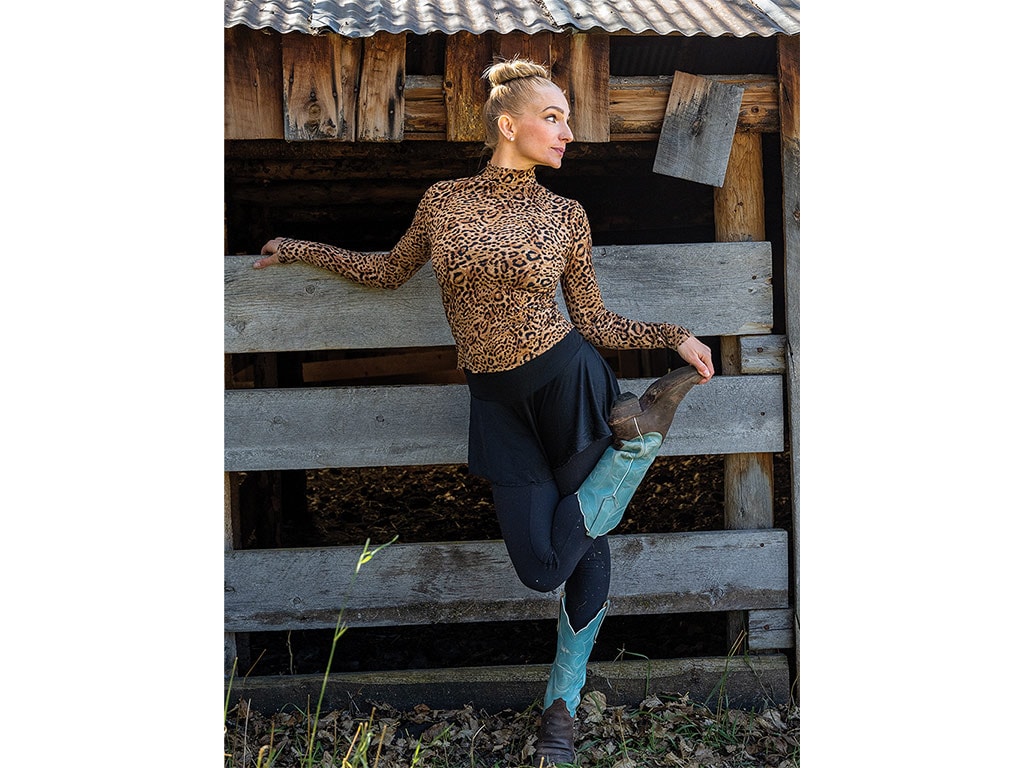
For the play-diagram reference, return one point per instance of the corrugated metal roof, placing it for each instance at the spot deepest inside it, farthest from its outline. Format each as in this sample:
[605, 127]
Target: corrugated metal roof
[737, 18]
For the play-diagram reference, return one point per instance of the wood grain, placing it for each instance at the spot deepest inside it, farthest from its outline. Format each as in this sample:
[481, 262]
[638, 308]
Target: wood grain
[472, 581]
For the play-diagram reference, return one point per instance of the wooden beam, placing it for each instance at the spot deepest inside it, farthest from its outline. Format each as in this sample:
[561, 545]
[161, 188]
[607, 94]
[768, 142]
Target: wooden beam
[321, 75]
[278, 589]
[466, 56]
[382, 88]
[749, 683]
[739, 216]
[789, 107]
[252, 84]
[739, 201]
[314, 427]
[712, 288]
[636, 106]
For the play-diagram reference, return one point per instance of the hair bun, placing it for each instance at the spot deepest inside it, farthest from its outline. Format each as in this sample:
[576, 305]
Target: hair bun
[503, 71]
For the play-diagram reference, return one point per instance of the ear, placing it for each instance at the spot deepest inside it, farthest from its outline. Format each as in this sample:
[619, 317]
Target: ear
[506, 127]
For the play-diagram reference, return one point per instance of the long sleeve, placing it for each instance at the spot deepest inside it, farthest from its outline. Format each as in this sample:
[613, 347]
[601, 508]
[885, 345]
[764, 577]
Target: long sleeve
[379, 270]
[595, 322]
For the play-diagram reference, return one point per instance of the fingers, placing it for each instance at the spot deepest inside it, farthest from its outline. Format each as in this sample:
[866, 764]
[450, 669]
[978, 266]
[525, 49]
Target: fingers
[698, 354]
[269, 252]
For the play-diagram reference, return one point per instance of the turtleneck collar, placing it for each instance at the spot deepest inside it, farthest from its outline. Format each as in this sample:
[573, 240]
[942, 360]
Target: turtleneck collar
[509, 176]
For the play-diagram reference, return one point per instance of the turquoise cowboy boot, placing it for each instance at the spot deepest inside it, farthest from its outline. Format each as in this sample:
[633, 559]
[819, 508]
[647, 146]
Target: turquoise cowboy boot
[639, 426]
[568, 673]
[610, 486]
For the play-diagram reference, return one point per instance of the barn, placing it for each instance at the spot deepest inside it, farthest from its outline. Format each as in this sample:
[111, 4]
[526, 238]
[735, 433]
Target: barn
[337, 117]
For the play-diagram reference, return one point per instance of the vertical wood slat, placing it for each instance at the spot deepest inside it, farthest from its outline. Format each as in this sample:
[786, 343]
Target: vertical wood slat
[252, 84]
[587, 72]
[789, 108]
[698, 128]
[321, 73]
[382, 88]
[535, 47]
[739, 216]
[466, 56]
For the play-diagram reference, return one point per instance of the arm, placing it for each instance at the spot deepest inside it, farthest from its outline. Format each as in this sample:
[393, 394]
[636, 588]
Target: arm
[603, 327]
[380, 270]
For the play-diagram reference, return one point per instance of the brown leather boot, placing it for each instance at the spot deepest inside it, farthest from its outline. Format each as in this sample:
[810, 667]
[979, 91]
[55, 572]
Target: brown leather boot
[555, 744]
[654, 410]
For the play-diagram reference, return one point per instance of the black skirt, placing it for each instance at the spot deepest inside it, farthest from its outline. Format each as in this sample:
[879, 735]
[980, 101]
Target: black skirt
[526, 423]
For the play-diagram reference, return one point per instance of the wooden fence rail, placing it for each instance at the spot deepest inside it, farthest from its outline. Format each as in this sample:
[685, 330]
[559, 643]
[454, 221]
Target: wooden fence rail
[716, 289]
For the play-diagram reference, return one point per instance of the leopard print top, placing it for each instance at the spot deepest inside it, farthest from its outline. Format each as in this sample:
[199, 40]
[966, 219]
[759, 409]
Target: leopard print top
[500, 244]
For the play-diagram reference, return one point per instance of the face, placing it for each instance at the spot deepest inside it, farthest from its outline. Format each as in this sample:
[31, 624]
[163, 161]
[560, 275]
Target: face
[539, 135]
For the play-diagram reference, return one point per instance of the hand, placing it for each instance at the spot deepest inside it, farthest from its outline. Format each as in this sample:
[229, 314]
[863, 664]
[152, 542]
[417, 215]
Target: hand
[697, 354]
[269, 252]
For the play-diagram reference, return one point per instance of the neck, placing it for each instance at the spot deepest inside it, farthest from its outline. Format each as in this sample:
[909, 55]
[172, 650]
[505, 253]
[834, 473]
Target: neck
[504, 157]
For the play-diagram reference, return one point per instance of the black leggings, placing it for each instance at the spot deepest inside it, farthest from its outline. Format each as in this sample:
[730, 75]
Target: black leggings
[547, 542]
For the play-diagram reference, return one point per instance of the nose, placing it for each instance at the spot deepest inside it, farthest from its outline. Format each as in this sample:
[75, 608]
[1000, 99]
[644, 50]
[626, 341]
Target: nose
[566, 133]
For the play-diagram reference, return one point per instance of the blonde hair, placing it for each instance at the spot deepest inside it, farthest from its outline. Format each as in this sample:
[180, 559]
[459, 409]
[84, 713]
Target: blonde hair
[513, 83]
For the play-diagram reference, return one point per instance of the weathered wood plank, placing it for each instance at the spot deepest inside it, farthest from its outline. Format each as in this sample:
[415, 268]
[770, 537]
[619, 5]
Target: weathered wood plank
[252, 84]
[697, 131]
[770, 629]
[789, 98]
[321, 75]
[466, 56]
[636, 106]
[739, 200]
[762, 354]
[587, 75]
[535, 47]
[382, 88]
[468, 581]
[712, 288]
[749, 683]
[425, 107]
[316, 427]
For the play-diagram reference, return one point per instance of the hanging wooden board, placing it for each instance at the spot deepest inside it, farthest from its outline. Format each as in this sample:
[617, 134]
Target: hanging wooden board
[321, 73]
[382, 88]
[698, 129]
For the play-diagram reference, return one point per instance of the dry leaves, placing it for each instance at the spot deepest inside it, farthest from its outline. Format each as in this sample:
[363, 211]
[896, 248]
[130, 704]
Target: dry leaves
[662, 731]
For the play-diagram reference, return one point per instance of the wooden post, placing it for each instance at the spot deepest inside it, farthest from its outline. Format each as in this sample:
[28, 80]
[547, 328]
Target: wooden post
[739, 216]
[232, 538]
[789, 108]
[230, 542]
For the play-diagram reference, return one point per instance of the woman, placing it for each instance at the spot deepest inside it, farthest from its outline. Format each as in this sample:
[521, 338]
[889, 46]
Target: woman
[563, 450]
